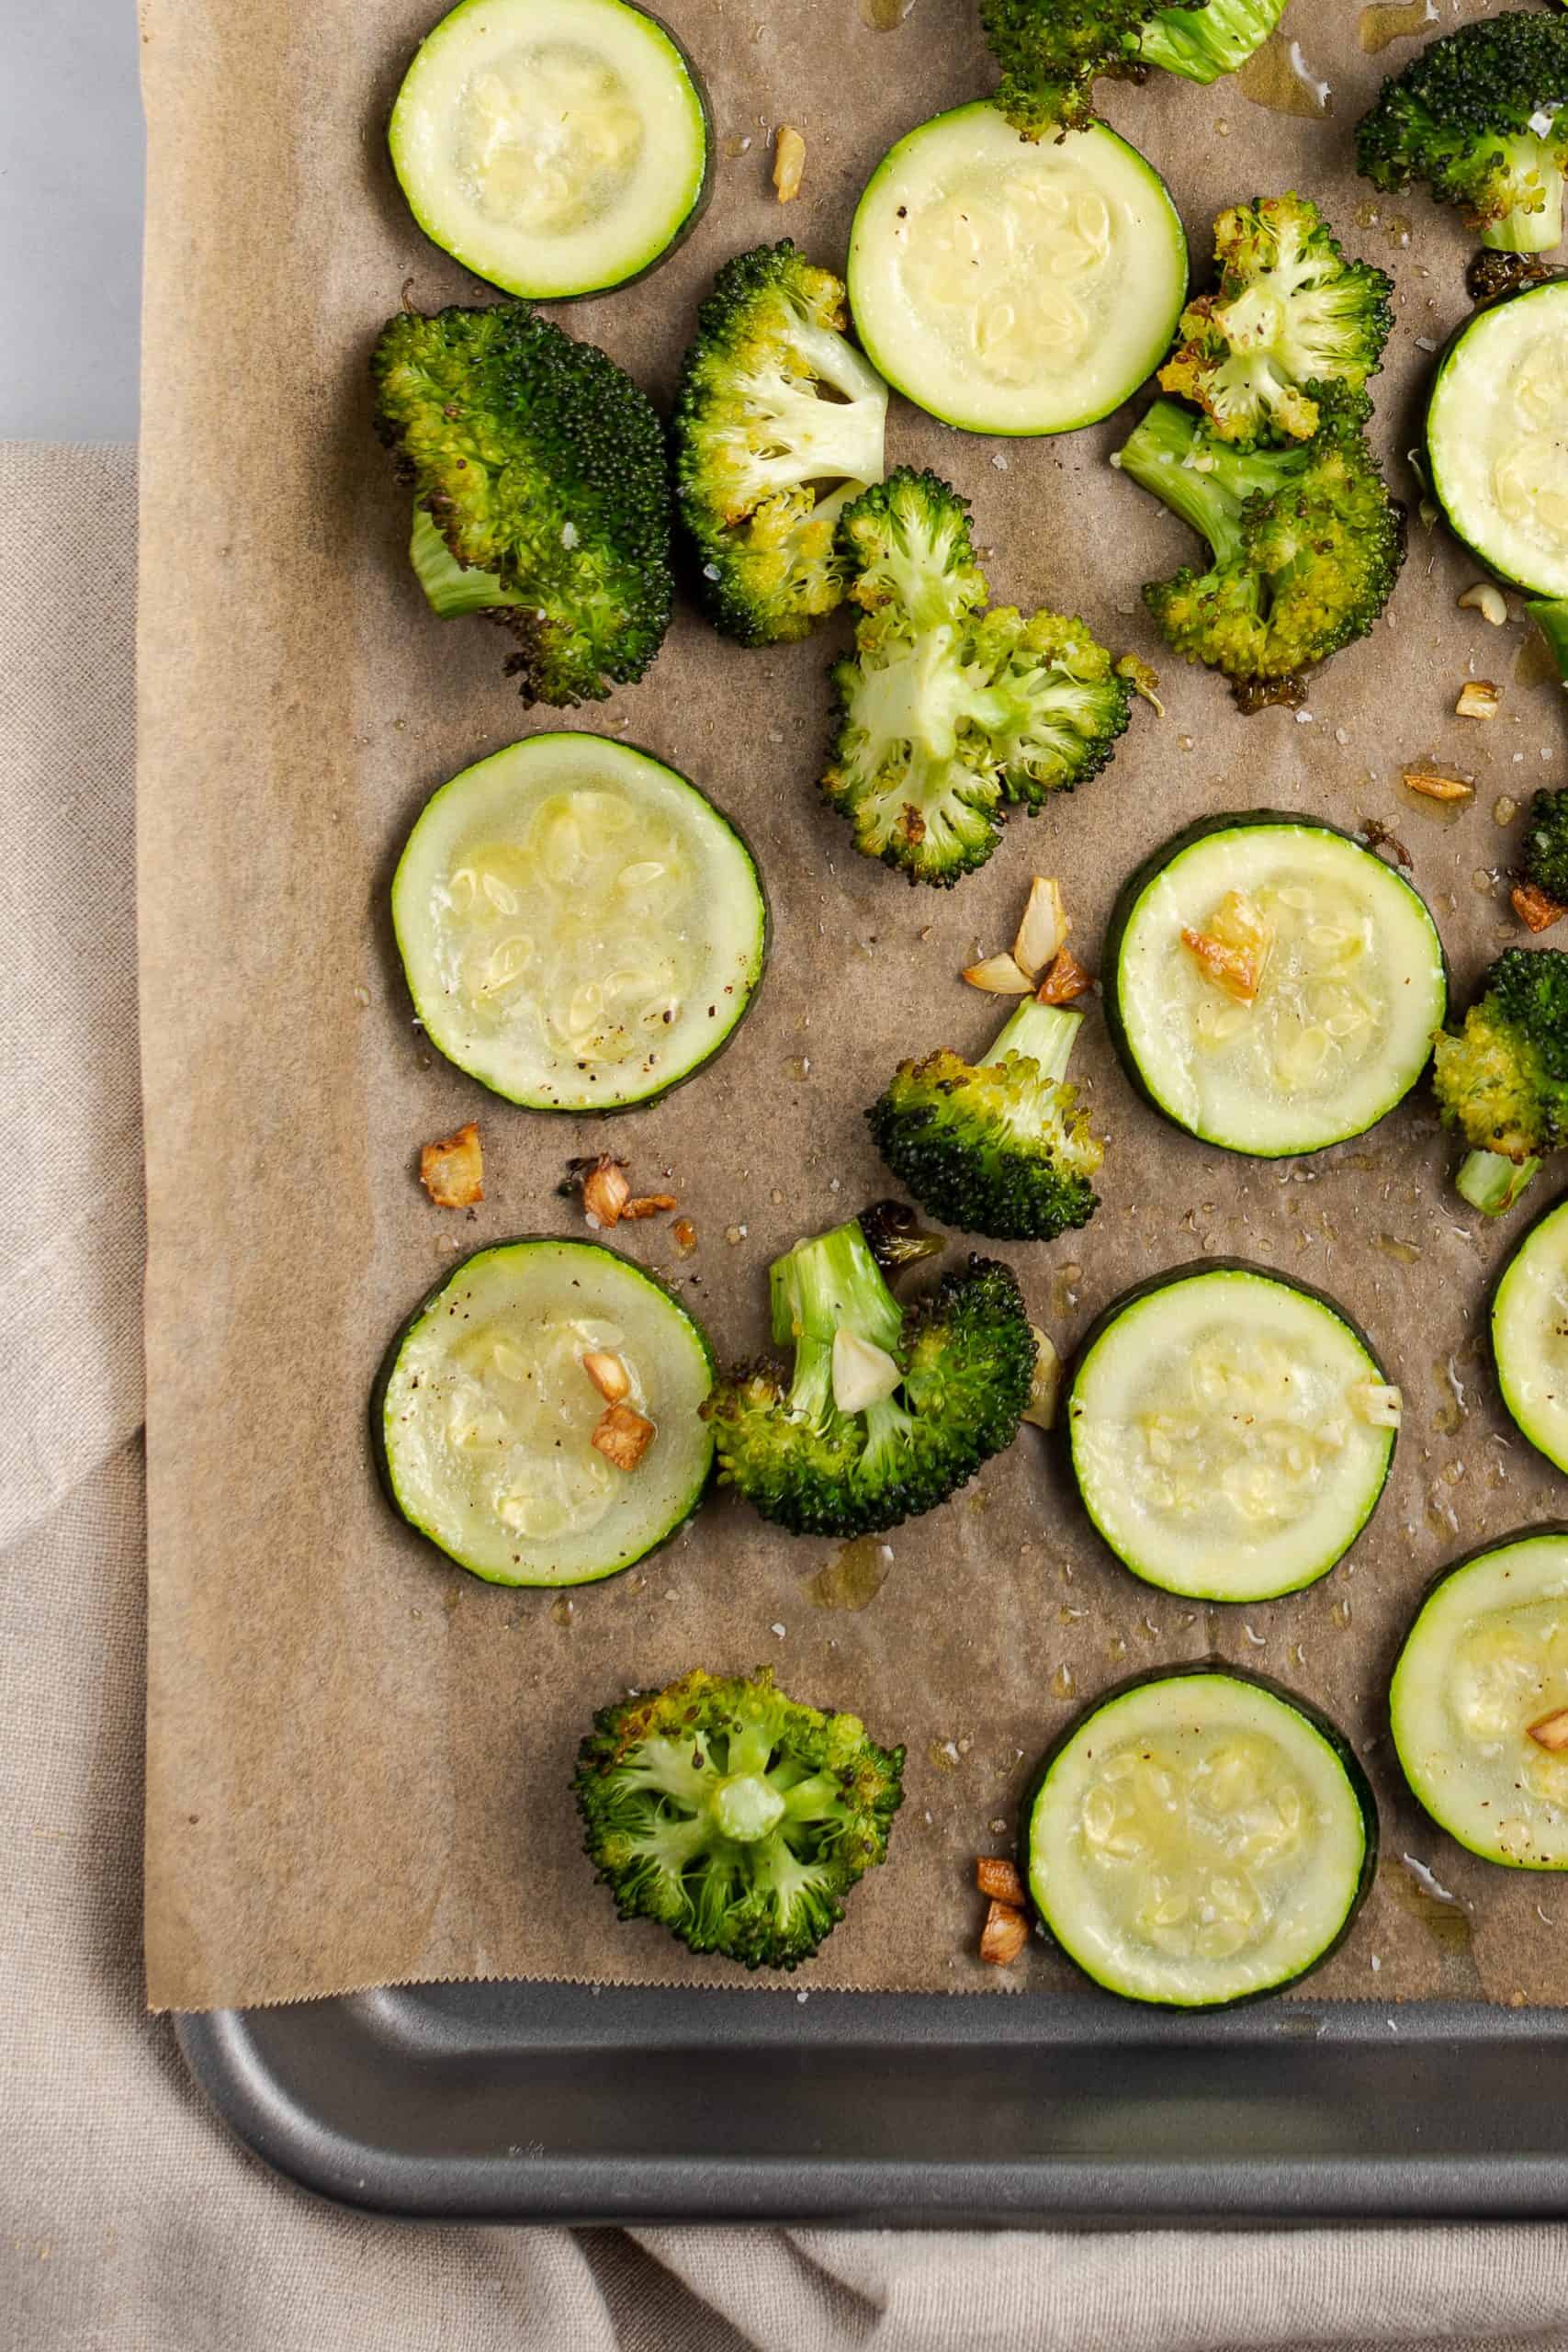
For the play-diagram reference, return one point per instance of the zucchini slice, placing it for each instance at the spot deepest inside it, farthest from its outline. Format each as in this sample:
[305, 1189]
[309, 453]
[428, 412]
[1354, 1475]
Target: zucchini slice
[1013, 288]
[1230, 1431]
[1485, 1662]
[580, 926]
[554, 147]
[1200, 1836]
[1342, 959]
[1530, 1334]
[1496, 423]
[483, 1415]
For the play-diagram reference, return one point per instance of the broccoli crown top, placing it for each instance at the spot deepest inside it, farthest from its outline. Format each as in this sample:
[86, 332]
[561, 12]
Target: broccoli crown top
[1546, 844]
[1502, 1078]
[962, 1356]
[737, 1818]
[1468, 117]
[1002, 1149]
[539, 460]
[778, 423]
[1307, 543]
[943, 713]
[1290, 314]
[1051, 52]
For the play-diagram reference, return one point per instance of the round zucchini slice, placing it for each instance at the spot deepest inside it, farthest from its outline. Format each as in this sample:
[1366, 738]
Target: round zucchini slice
[1230, 1431]
[1015, 288]
[490, 1432]
[1497, 420]
[580, 926]
[1530, 1335]
[1479, 1701]
[1271, 986]
[553, 147]
[1200, 1836]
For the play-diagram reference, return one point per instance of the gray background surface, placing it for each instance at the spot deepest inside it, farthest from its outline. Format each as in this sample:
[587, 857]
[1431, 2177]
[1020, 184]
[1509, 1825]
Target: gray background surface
[70, 220]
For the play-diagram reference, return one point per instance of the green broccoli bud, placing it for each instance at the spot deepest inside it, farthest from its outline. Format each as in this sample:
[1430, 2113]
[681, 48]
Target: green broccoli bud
[1290, 314]
[1546, 844]
[1502, 1079]
[1306, 542]
[944, 715]
[1002, 1149]
[538, 465]
[779, 423]
[958, 1364]
[1051, 52]
[736, 1817]
[1477, 117]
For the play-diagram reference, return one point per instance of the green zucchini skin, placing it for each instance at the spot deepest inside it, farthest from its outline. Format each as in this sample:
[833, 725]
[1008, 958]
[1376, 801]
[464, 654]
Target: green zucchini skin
[1062, 1431]
[699, 202]
[668, 1086]
[1546, 1527]
[1122, 911]
[1553, 286]
[393, 1349]
[1350, 1762]
[1493, 1295]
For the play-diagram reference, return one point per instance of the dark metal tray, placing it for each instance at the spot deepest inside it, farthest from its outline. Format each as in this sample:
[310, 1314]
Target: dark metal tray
[553, 2103]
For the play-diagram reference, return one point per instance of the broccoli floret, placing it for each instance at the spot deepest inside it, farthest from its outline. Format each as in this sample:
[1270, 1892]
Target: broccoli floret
[1502, 1078]
[1051, 52]
[1307, 545]
[536, 460]
[1476, 117]
[1289, 315]
[944, 714]
[929, 1393]
[1546, 844]
[1001, 1148]
[779, 423]
[737, 1817]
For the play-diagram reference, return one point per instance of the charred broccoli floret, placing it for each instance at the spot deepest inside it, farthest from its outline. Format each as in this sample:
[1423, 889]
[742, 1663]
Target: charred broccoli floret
[737, 1818]
[541, 491]
[779, 423]
[1476, 117]
[1051, 52]
[1002, 1149]
[887, 1410]
[1502, 1078]
[945, 714]
[1289, 315]
[1546, 844]
[1306, 542]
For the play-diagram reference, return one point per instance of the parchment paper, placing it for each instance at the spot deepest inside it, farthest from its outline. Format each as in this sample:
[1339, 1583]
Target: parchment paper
[358, 1755]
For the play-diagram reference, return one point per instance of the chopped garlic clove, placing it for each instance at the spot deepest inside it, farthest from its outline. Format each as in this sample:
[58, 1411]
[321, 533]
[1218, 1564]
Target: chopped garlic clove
[1066, 980]
[1044, 927]
[1533, 907]
[622, 1435]
[862, 1375]
[1377, 1403]
[1487, 599]
[1552, 1731]
[1479, 698]
[1000, 976]
[1004, 1934]
[789, 163]
[609, 1375]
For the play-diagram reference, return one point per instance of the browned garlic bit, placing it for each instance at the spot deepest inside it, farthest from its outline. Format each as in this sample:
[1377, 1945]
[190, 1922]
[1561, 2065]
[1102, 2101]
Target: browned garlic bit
[1552, 1731]
[1533, 907]
[1044, 928]
[1434, 782]
[606, 1193]
[789, 163]
[623, 1436]
[1066, 980]
[997, 1876]
[998, 975]
[650, 1204]
[1478, 699]
[1487, 599]
[1004, 1934]
[452, 1171]
[609, 1375]
[1234, 951]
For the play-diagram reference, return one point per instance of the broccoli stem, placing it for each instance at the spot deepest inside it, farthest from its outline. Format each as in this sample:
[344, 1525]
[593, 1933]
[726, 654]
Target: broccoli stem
[1204, 482]
[1045, 1033]
[1551, 616]
[1492, 1184]
[450, 587]
[822, 1286]
[1533, 166]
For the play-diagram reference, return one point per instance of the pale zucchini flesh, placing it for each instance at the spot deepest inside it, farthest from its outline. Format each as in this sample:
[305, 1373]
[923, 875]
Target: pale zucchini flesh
[1498, 438]
[1015, 288]
[580, 926]
[1488, 1657]
[485, 1415]
[1352, 989]
[554, 147]
[1229, 1434]
[1530, 1335]
[1198, 1838]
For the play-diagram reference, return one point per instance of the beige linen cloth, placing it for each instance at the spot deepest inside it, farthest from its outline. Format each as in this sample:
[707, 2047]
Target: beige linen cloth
[128, 2219]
